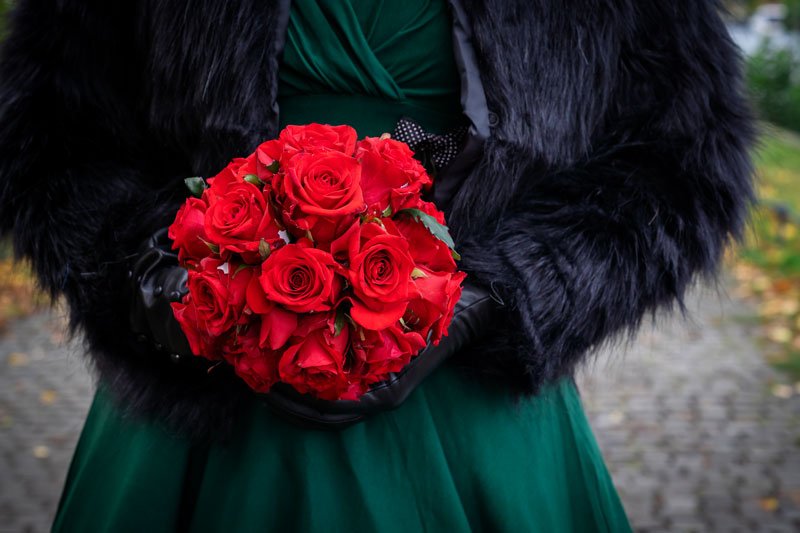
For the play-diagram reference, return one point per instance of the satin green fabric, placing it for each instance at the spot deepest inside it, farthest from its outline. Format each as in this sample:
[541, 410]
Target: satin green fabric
[366, 63]
[459, 455]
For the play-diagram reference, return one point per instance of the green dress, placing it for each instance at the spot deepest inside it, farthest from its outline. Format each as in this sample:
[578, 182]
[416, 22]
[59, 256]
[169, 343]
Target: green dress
[458, 455]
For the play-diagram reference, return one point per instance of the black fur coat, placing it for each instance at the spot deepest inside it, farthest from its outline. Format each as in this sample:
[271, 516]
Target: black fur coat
[616, 170]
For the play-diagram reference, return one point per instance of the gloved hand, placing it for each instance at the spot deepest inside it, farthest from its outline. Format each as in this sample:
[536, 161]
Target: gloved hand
[159, 280]
[473, 317]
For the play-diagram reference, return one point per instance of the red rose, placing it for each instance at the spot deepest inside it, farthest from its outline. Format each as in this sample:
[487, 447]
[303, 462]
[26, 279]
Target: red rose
[188, 232]
[378, 353]
[310, 137]
[427, 251]
[390, 175]
[218, 295]
[320, 194]
[307, 138]
[234, 172]
[258, 367]
[432, 311]
[238, 218]
[200, 341]
[314, 361]
[276, 323]
[379, 272]
[300, 278]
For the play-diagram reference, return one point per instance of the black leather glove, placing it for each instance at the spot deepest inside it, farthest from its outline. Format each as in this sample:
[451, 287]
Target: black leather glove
[158, 280]
[473, 317]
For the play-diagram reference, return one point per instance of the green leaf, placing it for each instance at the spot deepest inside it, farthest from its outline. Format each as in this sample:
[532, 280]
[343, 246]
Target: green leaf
[211, 246]
[196, 186]
[417, 273]
[339, 323]
[387, 212]
[240, 268]
[438, 230]
[252, 178]
[274, 167]
[456, 255]
[264, 250]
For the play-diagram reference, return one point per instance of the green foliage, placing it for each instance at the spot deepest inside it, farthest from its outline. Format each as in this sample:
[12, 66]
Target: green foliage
[742, 9]
[773, 79]
[769, 259]
[773, 243]
[5, 7]
[793, 14]
[438, 230]
[6, 249]
[196, 185]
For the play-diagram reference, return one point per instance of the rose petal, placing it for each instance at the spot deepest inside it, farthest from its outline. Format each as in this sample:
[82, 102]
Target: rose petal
[371, 319]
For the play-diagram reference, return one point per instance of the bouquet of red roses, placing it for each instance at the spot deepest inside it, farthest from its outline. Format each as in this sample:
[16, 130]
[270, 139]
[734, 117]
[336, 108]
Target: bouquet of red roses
[314, 261]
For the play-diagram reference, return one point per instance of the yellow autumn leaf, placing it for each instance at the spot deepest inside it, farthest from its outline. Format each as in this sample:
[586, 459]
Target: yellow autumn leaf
[770, 505]
[789, 306]
[41, 452]
[48, 397]
[770, 307]
[16, 359]
[780, 334]
[760, 283]
[782, 391]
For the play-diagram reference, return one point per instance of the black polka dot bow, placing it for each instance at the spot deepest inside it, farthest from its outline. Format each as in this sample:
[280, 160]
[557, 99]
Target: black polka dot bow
[434, 151]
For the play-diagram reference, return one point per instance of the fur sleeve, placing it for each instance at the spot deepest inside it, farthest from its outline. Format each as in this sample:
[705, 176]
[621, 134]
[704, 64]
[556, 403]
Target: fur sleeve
[82, 184]
[78, 179]
[584, 247]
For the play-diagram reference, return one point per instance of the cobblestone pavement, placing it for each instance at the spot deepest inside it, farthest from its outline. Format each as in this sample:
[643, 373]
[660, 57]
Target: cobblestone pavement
[45, 392]
[699, 433]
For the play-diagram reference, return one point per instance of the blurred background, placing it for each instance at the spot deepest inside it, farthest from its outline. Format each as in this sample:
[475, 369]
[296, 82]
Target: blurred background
[699, 418]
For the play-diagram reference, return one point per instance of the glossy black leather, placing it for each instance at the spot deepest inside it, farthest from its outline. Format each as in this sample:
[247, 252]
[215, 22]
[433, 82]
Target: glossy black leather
[473, 316]
[157, 280]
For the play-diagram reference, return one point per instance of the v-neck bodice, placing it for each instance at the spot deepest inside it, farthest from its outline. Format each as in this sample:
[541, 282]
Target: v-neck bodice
[367, 63]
